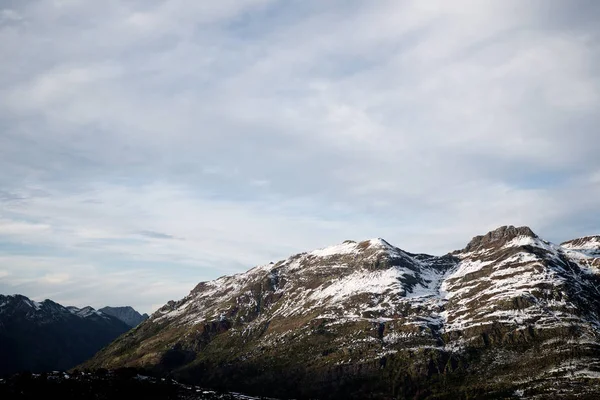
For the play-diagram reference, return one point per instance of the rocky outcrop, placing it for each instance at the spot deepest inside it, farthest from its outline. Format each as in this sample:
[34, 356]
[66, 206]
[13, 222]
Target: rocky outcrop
[498, 238]
[126, 314]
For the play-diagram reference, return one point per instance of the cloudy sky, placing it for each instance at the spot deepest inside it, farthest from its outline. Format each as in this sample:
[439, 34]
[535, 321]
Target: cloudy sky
[148, 145]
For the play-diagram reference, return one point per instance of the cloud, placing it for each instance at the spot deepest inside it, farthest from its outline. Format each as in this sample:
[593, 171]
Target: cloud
[257, 129]
[156, 235]
[54, 279]
[67, 281]
[18, 228]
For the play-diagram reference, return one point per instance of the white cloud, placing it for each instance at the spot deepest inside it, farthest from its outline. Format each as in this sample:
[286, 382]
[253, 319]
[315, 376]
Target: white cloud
[55, 278]
[18, 228]
[60, 86]
[69, 282]
[209, 137]
[8, 15]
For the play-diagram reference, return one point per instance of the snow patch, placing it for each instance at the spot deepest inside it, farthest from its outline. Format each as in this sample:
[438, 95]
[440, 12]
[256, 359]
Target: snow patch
[467, 267]
[586, 243]
[362, 282]
[340, 249]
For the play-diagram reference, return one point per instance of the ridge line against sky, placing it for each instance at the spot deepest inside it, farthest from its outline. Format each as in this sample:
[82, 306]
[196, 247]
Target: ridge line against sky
[149, 145]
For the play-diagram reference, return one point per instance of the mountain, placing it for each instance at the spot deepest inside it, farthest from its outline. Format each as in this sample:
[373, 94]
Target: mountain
[585, 250]
[126, 314]
[509, 315]
[47, 336]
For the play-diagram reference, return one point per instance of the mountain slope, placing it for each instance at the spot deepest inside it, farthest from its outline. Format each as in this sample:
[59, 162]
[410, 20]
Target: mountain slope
[509, 312]
[585, 250]
[126, 314]
[47, 336]
[513, 277]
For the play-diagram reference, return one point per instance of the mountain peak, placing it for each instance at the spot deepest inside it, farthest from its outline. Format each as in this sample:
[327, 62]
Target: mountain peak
[586, 242]
[126, 314]
[352, 247]
[586, 249]
[380, 242]
[499, 237]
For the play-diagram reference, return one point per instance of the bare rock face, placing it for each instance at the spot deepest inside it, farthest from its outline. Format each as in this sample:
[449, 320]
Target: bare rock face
[126, 314]
[498, 238]
[510, 312]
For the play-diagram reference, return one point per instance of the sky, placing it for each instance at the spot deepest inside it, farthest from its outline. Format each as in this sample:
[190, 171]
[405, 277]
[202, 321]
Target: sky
[148, 145]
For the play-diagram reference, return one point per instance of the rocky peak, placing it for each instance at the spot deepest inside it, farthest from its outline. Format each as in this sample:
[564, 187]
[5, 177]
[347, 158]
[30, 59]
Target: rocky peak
[51, 307]
[350, 249]
[46, 310]
[88, 311]
[498, 238]
[19, 304]
[583, 243]
[586, 250]
[126, 314]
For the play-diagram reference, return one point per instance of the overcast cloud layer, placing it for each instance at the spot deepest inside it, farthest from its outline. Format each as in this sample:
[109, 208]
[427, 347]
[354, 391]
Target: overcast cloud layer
[148, 145]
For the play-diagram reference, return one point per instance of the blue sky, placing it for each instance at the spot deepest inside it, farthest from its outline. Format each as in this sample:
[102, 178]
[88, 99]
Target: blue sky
[148, 145]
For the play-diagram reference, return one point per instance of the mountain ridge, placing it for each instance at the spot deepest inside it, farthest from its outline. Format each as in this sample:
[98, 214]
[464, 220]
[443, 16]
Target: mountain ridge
[371, 311]
[46, 336]
[126, 314]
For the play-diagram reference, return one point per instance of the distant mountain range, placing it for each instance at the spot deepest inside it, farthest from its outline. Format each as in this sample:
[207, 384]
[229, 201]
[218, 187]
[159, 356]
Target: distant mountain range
[126, 314]
[47, 336]
[509, 315]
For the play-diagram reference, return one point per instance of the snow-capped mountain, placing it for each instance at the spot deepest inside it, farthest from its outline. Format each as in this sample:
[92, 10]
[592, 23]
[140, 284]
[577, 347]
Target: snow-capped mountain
[509, 312]
[126, 314]
[586, 250]
[512, 277]
[47, 336]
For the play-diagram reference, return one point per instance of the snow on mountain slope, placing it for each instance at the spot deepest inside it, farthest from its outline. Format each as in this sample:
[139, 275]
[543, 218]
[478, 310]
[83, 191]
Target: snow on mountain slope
[359, 303]
[586, 251]
[88, 311]
[591, 243]
[47, 310]
[509, 276]
[365, 280]
[513, 277]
